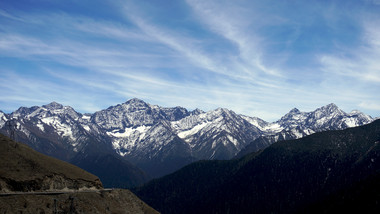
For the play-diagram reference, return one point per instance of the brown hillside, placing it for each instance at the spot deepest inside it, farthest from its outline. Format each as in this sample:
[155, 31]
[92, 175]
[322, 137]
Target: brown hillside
[23, 169]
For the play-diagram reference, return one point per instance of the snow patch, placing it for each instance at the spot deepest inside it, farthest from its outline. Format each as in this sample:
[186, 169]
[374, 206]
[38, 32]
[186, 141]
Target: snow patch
[62, 129]
[233, 140]
[86, 127]
[213, 145]
[40, 126]
[129, 131]
[86, 117]
[297, 133]
[253, 122]
[350, 122]
[308, 131]
[192, 131]
[273, 127]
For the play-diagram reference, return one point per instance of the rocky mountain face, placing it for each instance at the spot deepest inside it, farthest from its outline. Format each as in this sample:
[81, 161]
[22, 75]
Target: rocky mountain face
[217, 134]
[160, 140]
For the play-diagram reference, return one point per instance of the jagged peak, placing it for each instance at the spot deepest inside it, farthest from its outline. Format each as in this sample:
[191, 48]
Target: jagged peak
[24, 111]
[290, 114]
[221, 110]
[132, 105]
[197, 111]
[330, 106]
[135, 100]
[294, 111]
[224, 112]
[53, 105]
[136, 103]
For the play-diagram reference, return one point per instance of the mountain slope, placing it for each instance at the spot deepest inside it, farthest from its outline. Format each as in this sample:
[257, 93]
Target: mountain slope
[113, 170]
[218, 134]
[23, 169]
[287, 177]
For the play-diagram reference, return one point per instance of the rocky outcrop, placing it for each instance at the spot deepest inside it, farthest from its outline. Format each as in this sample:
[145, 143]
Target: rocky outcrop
[115, 201]
[47, 183]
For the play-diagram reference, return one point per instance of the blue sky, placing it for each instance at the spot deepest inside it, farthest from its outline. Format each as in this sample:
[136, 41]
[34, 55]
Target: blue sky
[258, 58]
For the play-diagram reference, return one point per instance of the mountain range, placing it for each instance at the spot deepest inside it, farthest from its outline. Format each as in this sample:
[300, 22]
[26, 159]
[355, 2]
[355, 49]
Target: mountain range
[128, 144]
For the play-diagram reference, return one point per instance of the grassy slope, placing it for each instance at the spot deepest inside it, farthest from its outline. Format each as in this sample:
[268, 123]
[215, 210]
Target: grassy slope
[19, 162]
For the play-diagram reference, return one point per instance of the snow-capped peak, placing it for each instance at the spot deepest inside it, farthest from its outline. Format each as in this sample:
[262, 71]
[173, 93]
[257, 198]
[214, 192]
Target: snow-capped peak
[135, 101]
[330, 108]
[292, 118]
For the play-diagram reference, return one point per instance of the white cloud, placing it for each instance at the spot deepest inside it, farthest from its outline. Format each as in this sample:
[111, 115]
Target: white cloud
[361, 63]
[230, 21]
[370, 105]
[187, 47]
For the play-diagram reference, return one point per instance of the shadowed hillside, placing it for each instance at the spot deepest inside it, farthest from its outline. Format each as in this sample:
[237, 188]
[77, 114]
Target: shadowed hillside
[312, 174]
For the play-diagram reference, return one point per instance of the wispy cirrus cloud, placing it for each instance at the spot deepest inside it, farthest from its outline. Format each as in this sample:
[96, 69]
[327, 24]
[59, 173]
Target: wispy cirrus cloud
[362, 62]
[230, 22]
[248, 56]
[190, 48]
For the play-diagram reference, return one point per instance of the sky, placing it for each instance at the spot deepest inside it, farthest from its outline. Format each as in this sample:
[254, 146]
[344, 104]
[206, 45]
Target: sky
[257, 58]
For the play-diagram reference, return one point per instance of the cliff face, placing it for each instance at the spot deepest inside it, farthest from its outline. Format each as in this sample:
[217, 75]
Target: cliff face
[23, 169]
[47, 183]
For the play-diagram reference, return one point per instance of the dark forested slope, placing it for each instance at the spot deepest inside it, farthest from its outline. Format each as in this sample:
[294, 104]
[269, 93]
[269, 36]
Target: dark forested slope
[305, 175]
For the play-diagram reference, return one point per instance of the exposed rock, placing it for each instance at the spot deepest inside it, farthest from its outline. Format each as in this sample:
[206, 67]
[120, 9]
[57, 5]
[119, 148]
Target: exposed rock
[116, 201]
